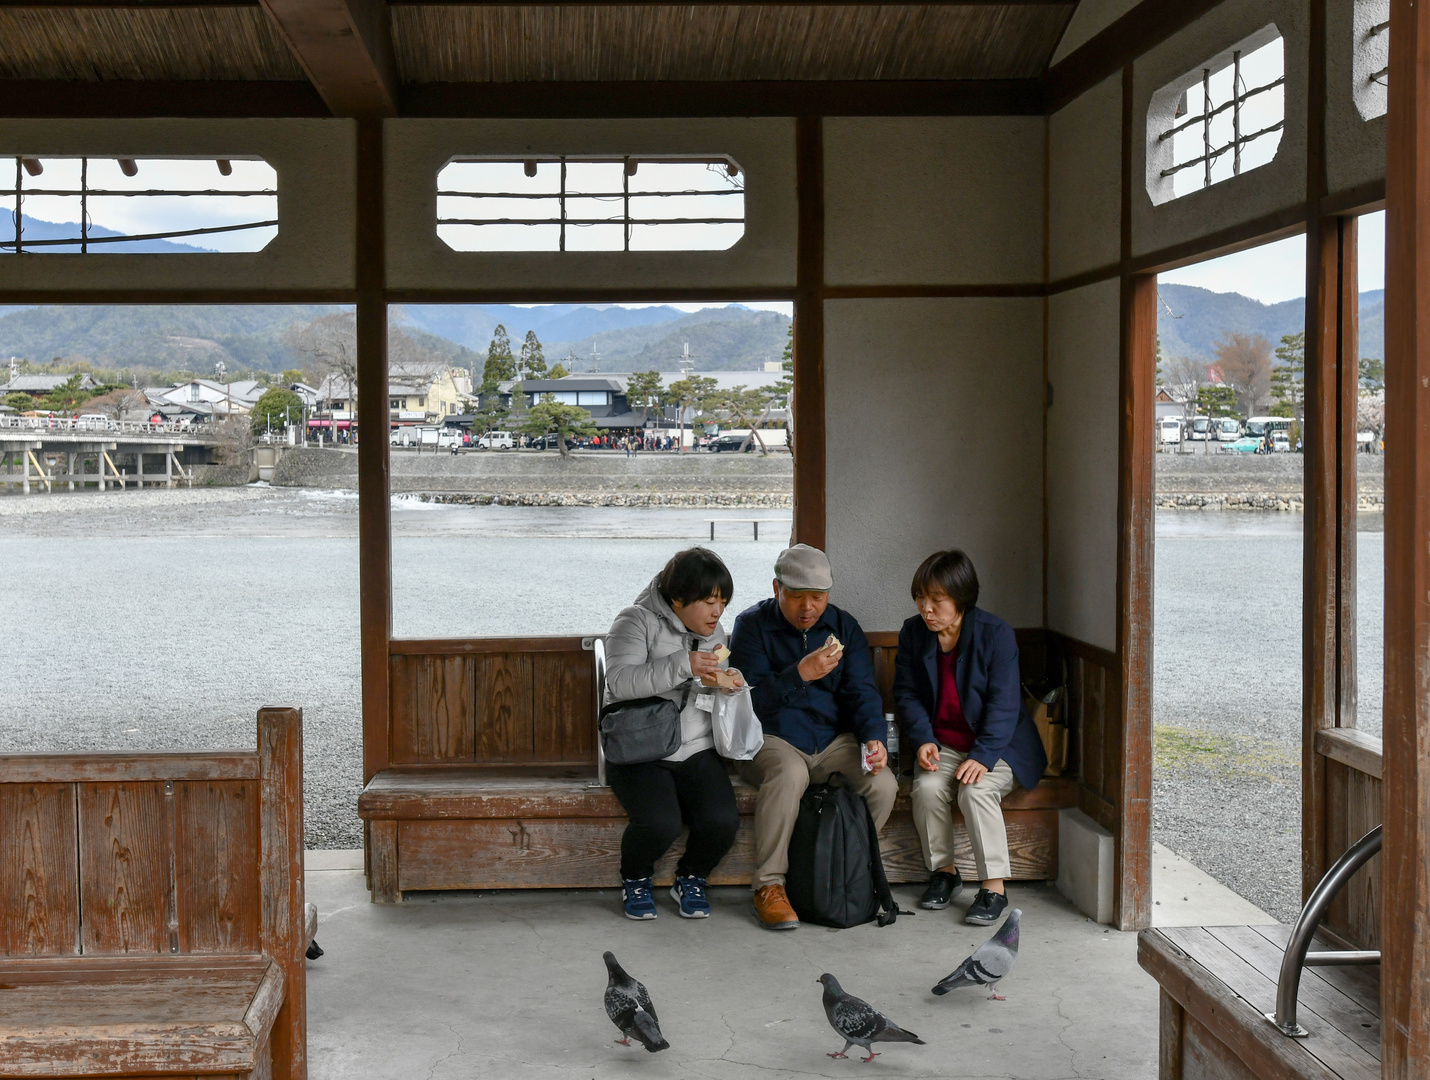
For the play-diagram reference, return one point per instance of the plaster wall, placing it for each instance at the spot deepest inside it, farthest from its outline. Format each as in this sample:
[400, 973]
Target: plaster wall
[934, 436]
[1085, 182]
[764, 257]
[934, 200]
[1082, 463]
[1091, 18]
[316, 161]
[1355, 147]
[1279, 185]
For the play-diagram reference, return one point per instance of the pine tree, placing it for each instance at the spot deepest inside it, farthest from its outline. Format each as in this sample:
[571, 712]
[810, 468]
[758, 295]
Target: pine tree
[533, 361]
[500, 364]
[1288, 379]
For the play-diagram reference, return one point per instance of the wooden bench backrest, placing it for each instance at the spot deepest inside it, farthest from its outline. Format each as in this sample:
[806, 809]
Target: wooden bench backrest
[168, 853]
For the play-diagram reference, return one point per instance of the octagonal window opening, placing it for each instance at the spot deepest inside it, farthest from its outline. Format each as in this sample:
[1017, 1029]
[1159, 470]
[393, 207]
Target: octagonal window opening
[591, 204]
[1370, 57]
[123, 205]
[1221, 119]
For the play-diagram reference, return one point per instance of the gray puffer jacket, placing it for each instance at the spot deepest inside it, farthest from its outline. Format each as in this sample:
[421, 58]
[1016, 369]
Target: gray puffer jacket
[648, 655]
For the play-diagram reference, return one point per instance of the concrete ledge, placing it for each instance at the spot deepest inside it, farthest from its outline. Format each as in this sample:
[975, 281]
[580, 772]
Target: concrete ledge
[1085, 864]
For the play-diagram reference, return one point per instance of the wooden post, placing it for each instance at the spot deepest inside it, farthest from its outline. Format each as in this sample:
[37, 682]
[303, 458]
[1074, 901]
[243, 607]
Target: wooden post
[1405, 904]
[374, 501]
[280, 778]
[808, 413]
[25, 483]
[69, 468]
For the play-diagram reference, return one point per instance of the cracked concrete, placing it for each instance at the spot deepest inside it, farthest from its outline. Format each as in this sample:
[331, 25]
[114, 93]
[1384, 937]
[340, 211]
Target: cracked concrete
[516, 980]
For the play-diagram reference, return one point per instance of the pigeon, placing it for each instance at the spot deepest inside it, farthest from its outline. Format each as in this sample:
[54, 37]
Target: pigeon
[858, 1022]
[630, 1009]
[990, 963]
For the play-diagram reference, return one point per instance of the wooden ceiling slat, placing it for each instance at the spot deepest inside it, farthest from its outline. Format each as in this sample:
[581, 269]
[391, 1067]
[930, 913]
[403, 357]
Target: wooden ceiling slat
[730, 42]
[162, 44]
[345, 46]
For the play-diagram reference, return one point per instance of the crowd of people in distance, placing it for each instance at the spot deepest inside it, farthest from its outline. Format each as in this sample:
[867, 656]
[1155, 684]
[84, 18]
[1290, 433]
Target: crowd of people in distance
[807, 663]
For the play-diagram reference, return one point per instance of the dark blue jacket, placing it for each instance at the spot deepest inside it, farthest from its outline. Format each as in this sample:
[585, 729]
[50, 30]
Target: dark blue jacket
[989, 688]
[808, 715]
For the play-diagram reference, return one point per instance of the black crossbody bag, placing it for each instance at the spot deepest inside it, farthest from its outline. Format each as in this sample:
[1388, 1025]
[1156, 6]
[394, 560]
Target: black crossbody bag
[641, 730]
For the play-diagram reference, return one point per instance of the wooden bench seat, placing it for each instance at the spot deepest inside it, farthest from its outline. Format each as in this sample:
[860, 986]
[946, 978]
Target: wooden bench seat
[93, 1016]
[1219, 981]
[484, 827]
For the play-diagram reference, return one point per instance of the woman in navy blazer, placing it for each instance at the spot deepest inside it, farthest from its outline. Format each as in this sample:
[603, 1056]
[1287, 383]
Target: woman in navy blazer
[960, 702]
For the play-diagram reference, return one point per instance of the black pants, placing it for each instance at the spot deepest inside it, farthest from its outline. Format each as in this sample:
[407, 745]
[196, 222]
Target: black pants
[660, 796]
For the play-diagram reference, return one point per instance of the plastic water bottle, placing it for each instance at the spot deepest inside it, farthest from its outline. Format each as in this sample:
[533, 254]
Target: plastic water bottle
[891, 741]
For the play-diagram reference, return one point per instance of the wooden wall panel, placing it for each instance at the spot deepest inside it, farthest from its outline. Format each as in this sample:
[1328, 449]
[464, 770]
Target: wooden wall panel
[39, 872]
[1353, 807]
[563, 707]
[124, 867]
[433, 709]
[216, 865]
[504, 705]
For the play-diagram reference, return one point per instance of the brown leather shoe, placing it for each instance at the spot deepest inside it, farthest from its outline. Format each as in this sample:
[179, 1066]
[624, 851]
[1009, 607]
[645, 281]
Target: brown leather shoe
[772, 907]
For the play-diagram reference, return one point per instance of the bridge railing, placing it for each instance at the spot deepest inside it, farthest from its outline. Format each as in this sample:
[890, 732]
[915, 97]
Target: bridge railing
[110, 427]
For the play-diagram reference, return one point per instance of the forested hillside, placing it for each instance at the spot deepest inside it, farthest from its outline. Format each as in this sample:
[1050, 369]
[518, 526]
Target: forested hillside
[1191, 319]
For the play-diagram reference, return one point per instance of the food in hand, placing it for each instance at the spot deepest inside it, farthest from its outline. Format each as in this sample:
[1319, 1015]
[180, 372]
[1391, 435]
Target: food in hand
[727, 679]
[722, 654]
[834, 643]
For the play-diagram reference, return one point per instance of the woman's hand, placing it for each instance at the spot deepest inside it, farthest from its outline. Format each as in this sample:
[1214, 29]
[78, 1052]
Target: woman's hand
[928, 757]
[970, 772]
[703, 666]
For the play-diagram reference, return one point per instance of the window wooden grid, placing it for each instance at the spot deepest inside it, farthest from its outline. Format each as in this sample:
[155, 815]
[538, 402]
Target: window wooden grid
[1240, 95]
[84, 192]
[724, 168]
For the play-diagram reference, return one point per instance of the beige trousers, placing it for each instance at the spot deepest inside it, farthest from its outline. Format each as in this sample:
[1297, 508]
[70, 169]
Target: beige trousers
[782, 773]
[933, 796]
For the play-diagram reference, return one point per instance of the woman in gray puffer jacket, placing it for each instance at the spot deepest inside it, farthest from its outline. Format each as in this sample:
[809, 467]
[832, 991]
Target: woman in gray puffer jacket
[664, 645]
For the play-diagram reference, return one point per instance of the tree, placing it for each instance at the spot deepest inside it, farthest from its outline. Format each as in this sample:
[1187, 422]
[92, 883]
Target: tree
[276, 408]
[115, 403]
[21, 403]
[557, 371]
[1288, 380]
[1372, 374]
[743, 406]
[68, 395]
[1370, 416]
[784, 389]
[690, 392]
[328, 346]
[645, 391]
[291, 376]
[549, 416]
[533, 361]
[500, 363]
[1217, 400]
[1245, 362]
[517, 408]
[1184, 377]
[490, 416]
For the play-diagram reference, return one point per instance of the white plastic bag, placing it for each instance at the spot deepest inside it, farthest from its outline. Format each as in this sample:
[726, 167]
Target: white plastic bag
[738, 735]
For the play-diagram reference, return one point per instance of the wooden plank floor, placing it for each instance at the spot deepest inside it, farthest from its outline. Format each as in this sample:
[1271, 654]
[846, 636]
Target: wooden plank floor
[1340, 1006]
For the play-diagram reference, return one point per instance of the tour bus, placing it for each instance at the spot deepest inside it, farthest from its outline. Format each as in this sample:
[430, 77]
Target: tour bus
[1169, 428]
[1199, 428]
[1258, 427]
[1228, 429]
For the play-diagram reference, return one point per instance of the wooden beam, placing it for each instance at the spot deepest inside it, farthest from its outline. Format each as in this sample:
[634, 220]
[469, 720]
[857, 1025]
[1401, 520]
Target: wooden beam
[1147, 25]
[809, 434]
[345, 46]
[1405, 913]
[40, 98]
[1132, 789]
[809, 97]
[374, 486]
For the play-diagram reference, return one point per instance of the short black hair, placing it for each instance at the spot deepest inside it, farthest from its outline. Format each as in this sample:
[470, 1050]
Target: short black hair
[695, 574]
[951, 573]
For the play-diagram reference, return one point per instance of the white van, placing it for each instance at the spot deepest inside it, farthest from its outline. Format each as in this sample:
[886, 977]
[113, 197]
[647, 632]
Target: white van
[1170, 430]
[496, 440]
[95, 422]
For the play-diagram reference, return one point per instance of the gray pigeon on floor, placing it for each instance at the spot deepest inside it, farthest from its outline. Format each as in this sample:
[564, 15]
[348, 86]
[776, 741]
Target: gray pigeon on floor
[990, 963]
[858, 1022]
[630, 1009]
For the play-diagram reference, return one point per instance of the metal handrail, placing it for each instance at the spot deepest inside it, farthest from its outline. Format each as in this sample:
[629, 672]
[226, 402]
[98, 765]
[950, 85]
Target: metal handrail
[598, 650]
[1297, 956]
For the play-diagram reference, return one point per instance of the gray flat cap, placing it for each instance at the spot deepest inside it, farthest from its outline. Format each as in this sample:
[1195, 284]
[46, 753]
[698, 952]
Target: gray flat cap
[804, 568]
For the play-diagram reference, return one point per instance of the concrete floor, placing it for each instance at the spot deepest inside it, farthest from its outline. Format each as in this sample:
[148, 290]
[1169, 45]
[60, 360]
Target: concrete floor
[509, 985]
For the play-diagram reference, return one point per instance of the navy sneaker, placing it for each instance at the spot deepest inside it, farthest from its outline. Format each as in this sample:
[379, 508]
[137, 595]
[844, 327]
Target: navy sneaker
[639, 903]
[689, 893]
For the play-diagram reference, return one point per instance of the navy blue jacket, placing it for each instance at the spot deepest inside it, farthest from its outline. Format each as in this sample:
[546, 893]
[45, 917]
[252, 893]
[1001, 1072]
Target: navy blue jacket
[989, 688]
[808, 715]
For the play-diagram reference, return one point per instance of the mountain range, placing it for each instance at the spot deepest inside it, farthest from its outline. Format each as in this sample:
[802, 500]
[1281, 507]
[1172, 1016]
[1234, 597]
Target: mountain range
[35, 229]
[1191, 319]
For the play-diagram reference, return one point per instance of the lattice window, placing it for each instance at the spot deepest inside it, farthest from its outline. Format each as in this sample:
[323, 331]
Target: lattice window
[1370, 51]
[1220, 120]
[591, 204]
[89, 205]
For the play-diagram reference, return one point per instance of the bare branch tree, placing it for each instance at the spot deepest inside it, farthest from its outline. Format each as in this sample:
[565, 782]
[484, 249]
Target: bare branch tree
[327, 346]
[1185, 377]
[1245, 362]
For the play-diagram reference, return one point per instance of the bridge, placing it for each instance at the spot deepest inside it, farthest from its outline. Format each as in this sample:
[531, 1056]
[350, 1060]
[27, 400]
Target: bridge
[104, 454]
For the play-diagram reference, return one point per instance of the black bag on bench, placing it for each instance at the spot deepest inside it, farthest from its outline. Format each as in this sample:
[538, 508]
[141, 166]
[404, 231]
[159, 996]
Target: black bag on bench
[836, 875]
[643, 729]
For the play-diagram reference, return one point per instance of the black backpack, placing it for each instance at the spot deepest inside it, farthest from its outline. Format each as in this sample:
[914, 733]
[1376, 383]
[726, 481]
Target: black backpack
[835, 876]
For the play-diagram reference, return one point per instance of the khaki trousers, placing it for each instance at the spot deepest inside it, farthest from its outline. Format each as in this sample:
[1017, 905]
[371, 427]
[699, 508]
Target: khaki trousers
[933, 796]
[782, 773]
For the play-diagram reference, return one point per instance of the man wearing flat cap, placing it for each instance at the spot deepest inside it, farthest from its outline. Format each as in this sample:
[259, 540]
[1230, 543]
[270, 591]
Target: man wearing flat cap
[812, 683]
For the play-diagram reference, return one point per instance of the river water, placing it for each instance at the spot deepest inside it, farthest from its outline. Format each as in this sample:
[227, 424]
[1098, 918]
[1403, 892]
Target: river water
[161, 619]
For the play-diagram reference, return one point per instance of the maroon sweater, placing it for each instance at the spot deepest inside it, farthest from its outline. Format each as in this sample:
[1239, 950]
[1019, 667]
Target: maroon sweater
[949, 726]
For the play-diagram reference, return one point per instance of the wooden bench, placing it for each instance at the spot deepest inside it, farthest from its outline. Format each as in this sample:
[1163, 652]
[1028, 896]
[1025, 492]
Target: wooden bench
[152, 920]
[511, 801]
[1219, 981]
